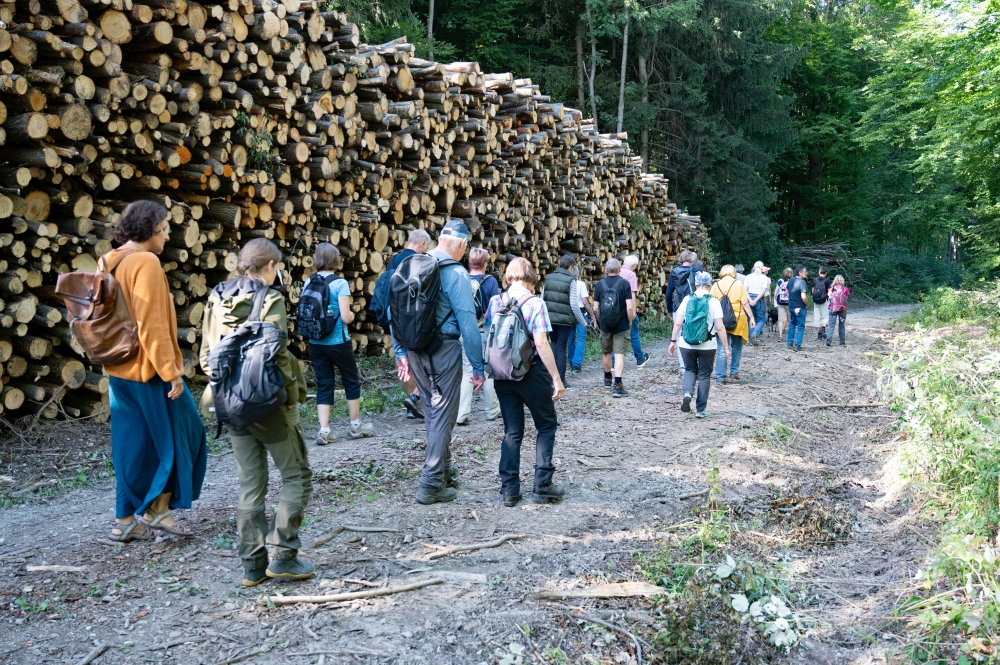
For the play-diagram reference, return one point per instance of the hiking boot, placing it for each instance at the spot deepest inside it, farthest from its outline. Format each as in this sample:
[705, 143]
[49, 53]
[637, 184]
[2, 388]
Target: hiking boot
[413, 407]
[686, 404]
[255, 576]
[829, 342]
[547, 493]
[430, 495]
[645, 359]
[735, 378]
[701, 414]
[361, 430]
[462, 423]
[619, 391]
[790, 346]
[607, 383]
[575, 370]
[798, 347]
[510, 500]
[325, 436]
[290, 569]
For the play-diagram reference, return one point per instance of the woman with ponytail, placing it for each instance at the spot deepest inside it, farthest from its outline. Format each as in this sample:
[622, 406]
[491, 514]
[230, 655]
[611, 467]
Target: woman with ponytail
[278, 434]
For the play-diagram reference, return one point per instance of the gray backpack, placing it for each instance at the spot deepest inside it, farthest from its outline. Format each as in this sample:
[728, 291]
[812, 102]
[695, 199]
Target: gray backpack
[510, 349]
[247, 385]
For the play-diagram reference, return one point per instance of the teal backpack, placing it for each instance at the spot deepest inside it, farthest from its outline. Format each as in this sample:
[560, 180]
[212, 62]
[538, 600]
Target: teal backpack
[696, 320]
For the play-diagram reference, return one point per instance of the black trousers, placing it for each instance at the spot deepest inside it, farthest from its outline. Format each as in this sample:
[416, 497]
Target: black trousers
[535, 392]
[326, 360]
[698, 363]
[559, 338]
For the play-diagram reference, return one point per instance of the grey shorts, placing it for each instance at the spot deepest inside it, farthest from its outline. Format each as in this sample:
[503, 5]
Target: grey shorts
[614, 342]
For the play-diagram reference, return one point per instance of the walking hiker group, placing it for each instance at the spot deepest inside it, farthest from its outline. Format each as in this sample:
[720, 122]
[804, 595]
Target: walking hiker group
[454, 332]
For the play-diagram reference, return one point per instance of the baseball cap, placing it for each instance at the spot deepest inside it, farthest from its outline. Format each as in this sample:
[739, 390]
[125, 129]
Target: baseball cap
[703, 279]
[457, 229]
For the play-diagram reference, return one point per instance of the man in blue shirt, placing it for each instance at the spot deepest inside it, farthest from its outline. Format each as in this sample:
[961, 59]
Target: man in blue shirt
[439, 374]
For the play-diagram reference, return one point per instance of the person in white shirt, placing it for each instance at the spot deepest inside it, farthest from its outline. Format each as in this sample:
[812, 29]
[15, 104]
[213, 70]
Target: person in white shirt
[758, 286]
[581, 297]
[699, 359]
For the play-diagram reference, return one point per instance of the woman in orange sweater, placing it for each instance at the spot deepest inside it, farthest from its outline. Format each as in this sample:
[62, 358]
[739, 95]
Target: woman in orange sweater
[157, 437]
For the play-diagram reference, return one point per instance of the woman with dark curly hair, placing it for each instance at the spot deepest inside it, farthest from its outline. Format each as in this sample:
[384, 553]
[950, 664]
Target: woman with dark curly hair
[157, 437]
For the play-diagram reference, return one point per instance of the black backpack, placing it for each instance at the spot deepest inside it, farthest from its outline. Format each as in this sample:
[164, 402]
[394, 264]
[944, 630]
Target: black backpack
[247, 385]
[313, 319]
[413, 296]
[380, 300]
[685, 285]
[819, 290]
[729, 317]
[477, 295]
[612, 308]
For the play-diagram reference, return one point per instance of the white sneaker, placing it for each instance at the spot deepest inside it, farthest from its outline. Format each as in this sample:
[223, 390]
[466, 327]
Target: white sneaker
[363, 429]
[325, 436]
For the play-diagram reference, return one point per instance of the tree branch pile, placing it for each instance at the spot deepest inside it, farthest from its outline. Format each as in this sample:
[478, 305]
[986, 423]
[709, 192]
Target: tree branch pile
[260, 119]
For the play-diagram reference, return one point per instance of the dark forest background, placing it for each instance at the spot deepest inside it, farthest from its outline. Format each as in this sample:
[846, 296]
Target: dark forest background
[867, 128]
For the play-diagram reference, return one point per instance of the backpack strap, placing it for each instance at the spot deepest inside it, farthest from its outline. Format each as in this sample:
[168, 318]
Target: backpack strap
[102, 263]
[258, 303]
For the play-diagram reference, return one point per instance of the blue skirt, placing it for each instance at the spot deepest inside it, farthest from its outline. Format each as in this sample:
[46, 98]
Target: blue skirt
[157, 445]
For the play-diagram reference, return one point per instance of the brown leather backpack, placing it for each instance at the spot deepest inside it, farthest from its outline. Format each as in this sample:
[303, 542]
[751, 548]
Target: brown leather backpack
[98, 314]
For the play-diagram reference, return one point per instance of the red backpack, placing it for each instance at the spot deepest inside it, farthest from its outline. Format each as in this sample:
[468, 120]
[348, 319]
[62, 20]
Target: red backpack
[838, 299]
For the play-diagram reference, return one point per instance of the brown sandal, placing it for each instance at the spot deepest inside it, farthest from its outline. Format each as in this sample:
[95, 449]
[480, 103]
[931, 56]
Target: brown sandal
[126, 535]
[157, 524]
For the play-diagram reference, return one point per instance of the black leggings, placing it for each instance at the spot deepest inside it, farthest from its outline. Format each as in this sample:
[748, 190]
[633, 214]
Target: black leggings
[326, 360]
[560, 338]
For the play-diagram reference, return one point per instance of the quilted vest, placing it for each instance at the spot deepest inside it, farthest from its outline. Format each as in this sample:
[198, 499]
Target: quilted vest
[556, 297]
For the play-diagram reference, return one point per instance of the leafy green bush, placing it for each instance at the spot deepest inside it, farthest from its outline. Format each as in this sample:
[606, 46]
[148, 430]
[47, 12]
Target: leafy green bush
[945, 385]
[947, 306]
[896, 274]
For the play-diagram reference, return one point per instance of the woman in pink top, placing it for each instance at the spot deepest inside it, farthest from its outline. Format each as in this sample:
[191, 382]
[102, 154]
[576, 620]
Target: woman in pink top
[837, 297]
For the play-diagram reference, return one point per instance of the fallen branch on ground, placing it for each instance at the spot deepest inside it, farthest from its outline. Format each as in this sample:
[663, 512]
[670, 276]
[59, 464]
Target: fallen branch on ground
[370, 529]
[323, 540]
[354, 595]
[873, 405]
[614, 590]
[94, 654]
[458, 549]
[56, 569]
[692, 495]
[357, 651]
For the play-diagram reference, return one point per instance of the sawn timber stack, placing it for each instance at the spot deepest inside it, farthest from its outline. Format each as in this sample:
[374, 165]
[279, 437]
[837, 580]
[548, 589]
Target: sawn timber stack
[259, 119]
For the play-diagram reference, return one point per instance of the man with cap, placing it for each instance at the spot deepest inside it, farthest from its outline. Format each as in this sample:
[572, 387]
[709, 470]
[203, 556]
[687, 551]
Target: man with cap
[439, 374]
[758, 286]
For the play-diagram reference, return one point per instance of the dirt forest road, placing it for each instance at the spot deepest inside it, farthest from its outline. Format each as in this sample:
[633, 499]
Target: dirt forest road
[634, 470]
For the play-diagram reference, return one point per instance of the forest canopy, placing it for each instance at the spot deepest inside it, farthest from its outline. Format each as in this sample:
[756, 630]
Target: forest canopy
[870, 126]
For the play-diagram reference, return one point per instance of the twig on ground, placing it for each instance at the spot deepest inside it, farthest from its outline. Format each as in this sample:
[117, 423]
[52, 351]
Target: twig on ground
[56, 569]
[458, 549]
[873, 405]
[356, 651]
[236, 659]
[324, 539]
[94, 654]
[692, 495]
[354, 595]
[531, 645]
[179, 641]
[606, 624]
[370, 529]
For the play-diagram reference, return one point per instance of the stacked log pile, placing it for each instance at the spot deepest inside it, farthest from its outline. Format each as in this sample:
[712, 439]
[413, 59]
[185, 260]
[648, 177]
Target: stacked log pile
[261, 119]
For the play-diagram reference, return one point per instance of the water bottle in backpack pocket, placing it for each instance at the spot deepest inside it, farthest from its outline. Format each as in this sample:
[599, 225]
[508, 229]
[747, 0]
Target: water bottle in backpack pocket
[313, 318]
[510, 349]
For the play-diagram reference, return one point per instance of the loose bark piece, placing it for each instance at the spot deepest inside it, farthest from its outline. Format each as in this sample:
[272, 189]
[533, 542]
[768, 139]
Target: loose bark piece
[94, 654]
[355, 595]
[324, 539]
[614, 590]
